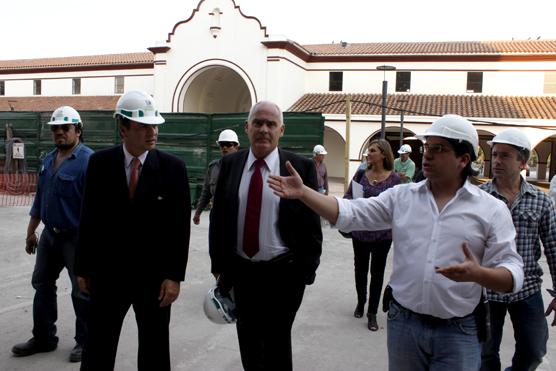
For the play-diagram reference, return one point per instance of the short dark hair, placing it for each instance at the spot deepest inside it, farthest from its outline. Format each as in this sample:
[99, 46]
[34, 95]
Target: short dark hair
[460, 149]
[124, 121]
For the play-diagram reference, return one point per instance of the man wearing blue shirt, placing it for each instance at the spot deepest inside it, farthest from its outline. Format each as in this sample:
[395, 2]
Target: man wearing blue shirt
[57, 205]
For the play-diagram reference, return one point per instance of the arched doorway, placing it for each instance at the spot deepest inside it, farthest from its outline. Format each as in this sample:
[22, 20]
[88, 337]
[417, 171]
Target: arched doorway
[215, 89]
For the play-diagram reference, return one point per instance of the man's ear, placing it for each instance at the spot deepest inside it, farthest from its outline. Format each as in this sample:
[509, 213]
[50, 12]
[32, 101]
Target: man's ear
[121, 131]
[464, 160]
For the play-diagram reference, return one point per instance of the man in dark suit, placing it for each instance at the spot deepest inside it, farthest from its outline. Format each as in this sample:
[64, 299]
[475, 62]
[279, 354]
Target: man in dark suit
[265, 248]
[133, 238]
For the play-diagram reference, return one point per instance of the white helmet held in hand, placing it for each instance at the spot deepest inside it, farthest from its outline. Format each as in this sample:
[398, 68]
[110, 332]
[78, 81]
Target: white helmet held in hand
[138, 106]
[228, 135]
[406, 148]
[514, 137]
[319, 150]
[65, 115]
[219, 308]
[454, 127]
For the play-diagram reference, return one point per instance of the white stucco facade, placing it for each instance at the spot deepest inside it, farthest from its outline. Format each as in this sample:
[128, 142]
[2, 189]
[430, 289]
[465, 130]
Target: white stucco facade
[221, 60]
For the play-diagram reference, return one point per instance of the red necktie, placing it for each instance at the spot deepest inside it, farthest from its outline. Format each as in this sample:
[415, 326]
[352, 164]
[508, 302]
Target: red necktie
[134, 176]
[253, 211]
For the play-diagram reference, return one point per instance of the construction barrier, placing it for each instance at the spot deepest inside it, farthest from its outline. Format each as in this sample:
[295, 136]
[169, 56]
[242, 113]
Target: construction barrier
[17, 189]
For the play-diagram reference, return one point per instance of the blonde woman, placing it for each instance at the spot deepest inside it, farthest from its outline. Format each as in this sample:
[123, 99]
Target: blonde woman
[372, 246]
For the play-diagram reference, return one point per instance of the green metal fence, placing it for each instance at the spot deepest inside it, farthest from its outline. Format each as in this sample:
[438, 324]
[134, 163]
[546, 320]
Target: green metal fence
[190, 136]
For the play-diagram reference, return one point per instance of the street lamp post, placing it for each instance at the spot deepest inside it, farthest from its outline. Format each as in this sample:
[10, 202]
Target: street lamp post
[384, 96]
[402, 111]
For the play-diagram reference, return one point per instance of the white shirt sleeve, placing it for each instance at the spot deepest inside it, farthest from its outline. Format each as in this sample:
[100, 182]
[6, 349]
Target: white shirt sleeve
[371, 214]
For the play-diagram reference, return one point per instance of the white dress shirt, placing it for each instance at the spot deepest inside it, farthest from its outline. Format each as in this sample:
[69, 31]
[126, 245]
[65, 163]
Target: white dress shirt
[424, 239]
[128, 158]
[270, 242]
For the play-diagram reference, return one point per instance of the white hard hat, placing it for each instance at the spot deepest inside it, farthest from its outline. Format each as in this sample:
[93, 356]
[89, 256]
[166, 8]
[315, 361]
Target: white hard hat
[140, 107]
[454, 127]
[227, 136]
[514, 137]
[406, 148]
[319, 150]
[65, 115]
[219, 308]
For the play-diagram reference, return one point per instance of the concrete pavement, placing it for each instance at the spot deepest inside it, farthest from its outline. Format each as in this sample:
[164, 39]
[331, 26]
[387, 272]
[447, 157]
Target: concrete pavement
[326, 336]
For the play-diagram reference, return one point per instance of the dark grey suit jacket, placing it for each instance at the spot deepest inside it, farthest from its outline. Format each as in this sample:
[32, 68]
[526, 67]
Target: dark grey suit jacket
[147, 237]
[298, 225]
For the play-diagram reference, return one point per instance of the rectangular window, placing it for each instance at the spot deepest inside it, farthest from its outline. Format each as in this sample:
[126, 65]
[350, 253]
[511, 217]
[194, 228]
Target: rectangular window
[474, 82]
[2, 88]
[335, 81]
[119, 85]
[403, 81]
[76, 86]
[37, 87]
[549, 83]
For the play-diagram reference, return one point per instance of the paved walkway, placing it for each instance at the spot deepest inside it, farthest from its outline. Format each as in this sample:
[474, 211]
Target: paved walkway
[326, 337]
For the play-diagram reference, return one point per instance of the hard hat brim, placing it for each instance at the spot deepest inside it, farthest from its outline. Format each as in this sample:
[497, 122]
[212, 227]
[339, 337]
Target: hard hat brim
[62, 123]
[148, 120]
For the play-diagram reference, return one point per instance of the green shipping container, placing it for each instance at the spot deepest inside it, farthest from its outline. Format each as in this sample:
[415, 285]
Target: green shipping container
[190, 136]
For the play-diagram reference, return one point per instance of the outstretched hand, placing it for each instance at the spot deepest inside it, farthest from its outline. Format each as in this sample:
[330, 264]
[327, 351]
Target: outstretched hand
[463, 272]
[287, 186]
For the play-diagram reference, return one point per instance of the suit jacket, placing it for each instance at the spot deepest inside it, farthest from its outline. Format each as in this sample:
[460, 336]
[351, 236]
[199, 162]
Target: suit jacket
[147, 237]
[298, 225]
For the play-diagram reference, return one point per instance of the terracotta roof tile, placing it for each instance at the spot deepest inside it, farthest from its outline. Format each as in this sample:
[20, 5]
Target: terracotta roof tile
[40, 104]
[437, 48]
[515, 107]
[68, 62]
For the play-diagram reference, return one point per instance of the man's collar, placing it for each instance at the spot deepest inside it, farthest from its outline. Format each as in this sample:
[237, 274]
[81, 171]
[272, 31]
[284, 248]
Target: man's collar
[269, 160]
[129, 157]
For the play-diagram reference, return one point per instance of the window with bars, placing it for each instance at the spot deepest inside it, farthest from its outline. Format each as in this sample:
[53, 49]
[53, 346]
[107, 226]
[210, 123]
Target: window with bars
[37, 87]
[474, 82]
[76, 86]
[2, 88]
[119, 85]
[335, 81]
[549, 83]
[403, 81]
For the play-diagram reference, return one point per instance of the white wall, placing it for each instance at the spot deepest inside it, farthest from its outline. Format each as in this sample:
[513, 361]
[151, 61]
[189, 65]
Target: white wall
[238, 47]
[56, 87]
[19, 88]
[97, 86]
[92, 82]
[499, 78]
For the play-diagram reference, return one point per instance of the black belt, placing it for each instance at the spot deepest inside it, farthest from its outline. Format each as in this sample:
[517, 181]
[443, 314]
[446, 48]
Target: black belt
[428, 318]
[59, 231]
[281, 259]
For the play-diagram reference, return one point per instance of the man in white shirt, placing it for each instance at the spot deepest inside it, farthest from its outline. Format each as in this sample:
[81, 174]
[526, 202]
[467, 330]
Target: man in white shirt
[450, 240]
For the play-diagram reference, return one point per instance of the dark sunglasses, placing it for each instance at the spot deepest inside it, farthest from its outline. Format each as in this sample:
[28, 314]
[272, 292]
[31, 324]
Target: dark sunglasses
[226, 144]
[65, 128]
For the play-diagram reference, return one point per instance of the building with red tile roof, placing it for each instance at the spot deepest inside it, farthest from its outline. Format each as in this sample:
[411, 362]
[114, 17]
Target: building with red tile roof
[222, 60]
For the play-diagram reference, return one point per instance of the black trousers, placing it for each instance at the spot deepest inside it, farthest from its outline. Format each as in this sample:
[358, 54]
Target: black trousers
[268, 295]
[110, 302]
[377, 253]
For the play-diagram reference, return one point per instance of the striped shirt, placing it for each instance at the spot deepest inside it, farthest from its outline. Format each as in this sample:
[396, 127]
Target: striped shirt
[534, 219]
